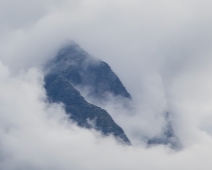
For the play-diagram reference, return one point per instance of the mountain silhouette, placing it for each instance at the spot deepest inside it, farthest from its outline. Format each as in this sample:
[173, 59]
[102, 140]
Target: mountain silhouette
[74, 67]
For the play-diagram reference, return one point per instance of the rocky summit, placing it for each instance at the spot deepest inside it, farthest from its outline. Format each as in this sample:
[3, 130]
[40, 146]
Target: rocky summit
[74, 67]
[82, 70]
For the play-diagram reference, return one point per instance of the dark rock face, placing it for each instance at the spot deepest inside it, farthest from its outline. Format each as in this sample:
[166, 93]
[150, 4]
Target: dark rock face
[72, 66]
[80, 69]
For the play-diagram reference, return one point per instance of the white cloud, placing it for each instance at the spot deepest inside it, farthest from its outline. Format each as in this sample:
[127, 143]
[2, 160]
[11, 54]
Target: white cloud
[159, 49]
[35, 135]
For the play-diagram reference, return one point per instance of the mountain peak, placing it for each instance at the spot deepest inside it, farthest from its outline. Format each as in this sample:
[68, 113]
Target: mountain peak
[81, 69]
[74, 67]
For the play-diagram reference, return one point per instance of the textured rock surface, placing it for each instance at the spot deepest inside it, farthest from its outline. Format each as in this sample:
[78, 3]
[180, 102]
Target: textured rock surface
[80, 69]
[72, 66]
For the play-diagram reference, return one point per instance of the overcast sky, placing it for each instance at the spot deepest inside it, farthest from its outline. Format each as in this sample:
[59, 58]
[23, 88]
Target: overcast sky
[161, 51]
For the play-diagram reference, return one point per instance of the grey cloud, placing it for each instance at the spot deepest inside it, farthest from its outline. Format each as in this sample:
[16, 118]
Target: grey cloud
[160, 50]
[41, 138]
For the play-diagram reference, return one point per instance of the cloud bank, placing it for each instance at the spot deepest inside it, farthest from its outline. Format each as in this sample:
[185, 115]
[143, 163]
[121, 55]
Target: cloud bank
[160, 50]
[35, 135]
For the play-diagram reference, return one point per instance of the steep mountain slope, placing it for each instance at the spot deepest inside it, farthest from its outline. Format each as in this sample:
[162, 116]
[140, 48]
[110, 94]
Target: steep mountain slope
[81, 69]
[72, 66]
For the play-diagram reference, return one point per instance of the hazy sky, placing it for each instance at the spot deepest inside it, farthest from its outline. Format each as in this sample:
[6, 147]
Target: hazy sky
[160, 49]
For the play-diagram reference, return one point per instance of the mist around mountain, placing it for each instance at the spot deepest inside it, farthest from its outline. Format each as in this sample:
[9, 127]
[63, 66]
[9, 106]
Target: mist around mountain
[72, 69]
[161, 53]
